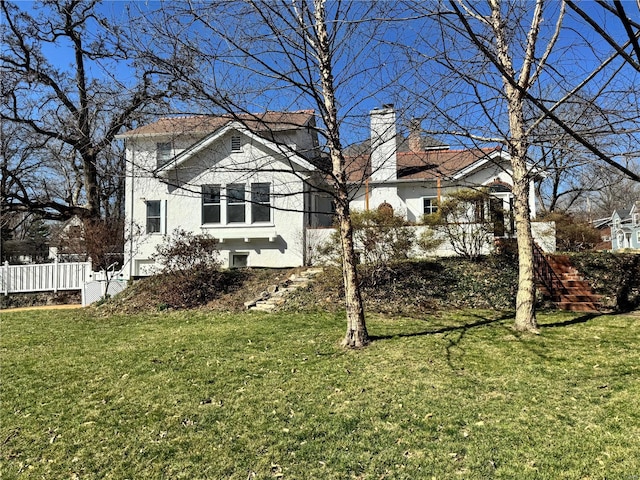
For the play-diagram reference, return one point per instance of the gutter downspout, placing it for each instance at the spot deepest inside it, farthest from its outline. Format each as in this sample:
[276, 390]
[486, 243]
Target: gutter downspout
[438, 186]
[366, 194]
[132, 206]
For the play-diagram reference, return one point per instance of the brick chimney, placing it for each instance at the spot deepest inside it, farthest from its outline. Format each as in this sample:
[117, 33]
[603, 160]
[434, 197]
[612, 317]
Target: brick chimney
[383, 144]
[415, 137]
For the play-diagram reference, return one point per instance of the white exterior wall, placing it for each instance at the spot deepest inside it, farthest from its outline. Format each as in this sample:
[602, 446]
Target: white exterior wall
[278, 243]
[544, 234]
[406, 197]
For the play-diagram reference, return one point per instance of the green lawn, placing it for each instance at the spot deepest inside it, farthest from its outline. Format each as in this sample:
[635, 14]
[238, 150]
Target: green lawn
[201, 395]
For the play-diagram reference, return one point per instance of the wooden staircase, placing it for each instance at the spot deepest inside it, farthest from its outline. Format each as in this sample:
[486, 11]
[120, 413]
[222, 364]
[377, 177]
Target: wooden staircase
[560, 282]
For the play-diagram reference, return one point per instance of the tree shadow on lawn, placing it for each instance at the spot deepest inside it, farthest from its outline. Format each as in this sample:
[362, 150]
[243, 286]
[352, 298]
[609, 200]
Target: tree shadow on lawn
[584, 318]
[452, 328]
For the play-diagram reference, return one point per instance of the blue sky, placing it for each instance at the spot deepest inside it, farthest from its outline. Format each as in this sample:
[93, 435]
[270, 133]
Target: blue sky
[576, 60]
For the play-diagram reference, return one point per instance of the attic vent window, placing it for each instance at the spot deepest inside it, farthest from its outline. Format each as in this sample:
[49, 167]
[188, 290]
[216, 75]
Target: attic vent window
[236, 146]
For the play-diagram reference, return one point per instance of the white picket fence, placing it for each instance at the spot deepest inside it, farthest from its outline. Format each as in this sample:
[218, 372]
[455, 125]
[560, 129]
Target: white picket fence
[45, 277]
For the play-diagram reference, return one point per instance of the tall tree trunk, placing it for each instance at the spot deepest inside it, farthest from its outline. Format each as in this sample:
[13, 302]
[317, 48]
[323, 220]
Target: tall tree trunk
[356, 335]
[525, 298]
[91, 187]
[515, 91]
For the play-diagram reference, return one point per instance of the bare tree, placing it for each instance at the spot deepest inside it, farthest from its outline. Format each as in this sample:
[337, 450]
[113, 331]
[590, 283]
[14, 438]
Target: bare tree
[240, 57]
[573, 176]
[490, 56]
[515, 77]
[68, 111]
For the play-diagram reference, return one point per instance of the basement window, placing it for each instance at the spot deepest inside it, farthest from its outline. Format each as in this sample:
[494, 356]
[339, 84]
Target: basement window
[239, 260]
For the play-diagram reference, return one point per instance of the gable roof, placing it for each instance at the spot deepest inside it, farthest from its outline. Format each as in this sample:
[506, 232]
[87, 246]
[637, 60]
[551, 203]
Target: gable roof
[204, 124]
[427, 165]
[289, 154]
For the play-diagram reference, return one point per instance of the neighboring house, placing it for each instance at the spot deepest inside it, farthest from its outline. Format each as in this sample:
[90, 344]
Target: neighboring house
[253, 183]
[67, 242]
[625, 228]
[603, 225]
[412, 174]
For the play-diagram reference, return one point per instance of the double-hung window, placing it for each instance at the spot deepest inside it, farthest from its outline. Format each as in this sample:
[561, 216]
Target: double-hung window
[163, 153]
[236, 203]
[211, 204]
[429, 205]
[260, 203]
[153, 216]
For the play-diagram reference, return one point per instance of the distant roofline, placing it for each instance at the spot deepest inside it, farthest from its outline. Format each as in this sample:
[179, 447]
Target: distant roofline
[261, 117]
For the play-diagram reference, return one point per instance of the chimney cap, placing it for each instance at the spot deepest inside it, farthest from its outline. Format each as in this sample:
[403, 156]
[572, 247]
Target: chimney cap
[387, 105]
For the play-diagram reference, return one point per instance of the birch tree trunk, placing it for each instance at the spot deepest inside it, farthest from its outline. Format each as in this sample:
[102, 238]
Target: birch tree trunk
[356, 335]
[518, 146]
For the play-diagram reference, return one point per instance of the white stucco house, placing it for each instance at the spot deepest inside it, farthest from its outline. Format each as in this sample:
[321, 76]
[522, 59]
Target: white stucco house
[256, 183]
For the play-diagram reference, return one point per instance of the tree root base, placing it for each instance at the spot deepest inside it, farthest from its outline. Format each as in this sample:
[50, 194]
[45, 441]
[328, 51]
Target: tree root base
[354, 339]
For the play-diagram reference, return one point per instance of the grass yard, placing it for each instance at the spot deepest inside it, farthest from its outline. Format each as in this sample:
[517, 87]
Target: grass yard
[247, 396]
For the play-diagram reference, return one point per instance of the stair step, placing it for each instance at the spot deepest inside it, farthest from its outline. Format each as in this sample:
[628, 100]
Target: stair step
[577, 306]
[576, 298]
[264, 307]
[275, 295]
[569, 290]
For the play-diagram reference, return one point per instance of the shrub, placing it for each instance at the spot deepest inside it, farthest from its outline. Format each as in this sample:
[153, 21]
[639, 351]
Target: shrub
[615, 276]
[463, 220]
[573, 235]
[380, 236]
[184, 251]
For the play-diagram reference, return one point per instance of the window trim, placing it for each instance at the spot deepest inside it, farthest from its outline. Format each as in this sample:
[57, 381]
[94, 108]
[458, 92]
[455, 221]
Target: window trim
[256, 204]
[154, 217]
[433, 205]
[204, 204]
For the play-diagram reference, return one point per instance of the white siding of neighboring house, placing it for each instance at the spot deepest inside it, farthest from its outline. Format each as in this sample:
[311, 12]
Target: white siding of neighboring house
[410, 194]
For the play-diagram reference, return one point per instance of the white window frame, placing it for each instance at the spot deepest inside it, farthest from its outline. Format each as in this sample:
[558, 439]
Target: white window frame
[205, 204]
[164, 152]
[433, 205]
[162, 217]
[232, 255]
[237, 203]
[256, 202]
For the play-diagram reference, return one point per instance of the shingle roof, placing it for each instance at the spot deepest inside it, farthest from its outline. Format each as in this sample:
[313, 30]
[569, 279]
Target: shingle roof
[426, 165]
[203, 124]
[402, 145]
